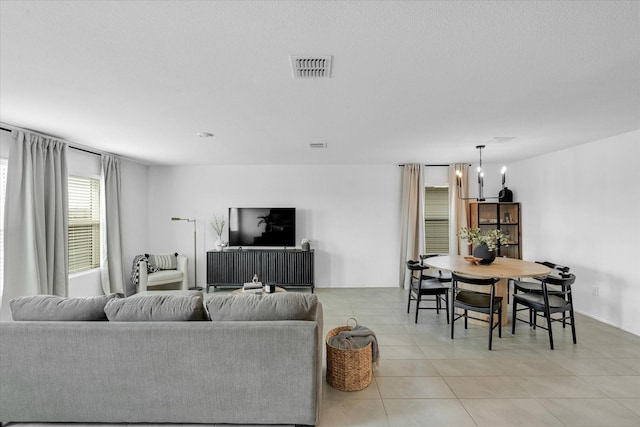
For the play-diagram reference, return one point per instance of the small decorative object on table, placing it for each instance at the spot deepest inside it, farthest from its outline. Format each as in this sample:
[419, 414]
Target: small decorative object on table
[473, 260]
[253, 286]
[485, 244]
[306, 244]
[218, 227]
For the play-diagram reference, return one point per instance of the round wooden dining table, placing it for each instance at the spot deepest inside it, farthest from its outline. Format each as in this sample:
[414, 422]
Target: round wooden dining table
[503, 268]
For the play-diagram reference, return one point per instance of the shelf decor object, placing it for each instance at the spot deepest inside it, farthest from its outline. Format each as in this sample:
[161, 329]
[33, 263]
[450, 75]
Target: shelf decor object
[501, 216]
[195, 262]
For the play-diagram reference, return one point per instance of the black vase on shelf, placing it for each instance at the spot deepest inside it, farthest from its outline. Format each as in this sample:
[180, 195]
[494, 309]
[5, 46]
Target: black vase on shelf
[483, 252]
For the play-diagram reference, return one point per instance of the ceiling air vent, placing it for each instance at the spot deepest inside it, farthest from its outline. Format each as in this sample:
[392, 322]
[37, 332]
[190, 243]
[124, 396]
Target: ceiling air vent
[318, 145]
[311, 67]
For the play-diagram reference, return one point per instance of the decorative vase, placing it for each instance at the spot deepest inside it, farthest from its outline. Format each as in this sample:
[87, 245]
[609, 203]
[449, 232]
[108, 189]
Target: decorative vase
[306, 246]
[482, 251]
[220, 244]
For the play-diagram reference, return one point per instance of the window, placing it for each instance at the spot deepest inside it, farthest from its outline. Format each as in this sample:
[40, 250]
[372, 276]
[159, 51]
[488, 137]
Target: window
[84, 223]
[436, 220]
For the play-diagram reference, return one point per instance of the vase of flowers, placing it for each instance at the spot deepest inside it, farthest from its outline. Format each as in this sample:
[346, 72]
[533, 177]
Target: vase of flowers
[485, 245]
[218, 226]
[306, 244]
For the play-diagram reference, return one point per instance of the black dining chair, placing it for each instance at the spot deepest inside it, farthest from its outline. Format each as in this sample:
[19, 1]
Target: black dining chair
[427, 287]
[477, 301]
[535, 283]
[546, 303]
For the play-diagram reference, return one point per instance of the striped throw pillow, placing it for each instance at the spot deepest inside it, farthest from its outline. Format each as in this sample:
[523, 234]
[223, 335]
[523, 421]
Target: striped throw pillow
[164, 261]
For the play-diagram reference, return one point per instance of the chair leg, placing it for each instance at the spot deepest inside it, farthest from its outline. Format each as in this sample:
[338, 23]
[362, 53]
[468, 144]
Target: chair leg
[500, 321]
[409, 299]
[513, 317]
[453, 319]
[446, 304]
[573, 325]
[418, 298]
[466, 318]
[490, 329]
[548, 316]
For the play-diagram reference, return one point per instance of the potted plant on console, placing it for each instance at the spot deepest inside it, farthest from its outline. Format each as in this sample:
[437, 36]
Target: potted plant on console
[485, 245]
[218, 226]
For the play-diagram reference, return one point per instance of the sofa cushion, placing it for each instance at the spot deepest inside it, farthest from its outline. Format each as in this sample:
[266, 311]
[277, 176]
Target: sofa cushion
[56, 308]
[156, 308]
[281, 306]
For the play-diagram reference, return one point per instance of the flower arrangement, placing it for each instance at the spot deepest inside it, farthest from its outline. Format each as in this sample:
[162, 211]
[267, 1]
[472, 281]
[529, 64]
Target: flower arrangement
[218, 225]
[491, 238]
[305, 242]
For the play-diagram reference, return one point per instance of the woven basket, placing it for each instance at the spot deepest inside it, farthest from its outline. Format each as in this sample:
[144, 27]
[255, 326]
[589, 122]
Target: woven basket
[348, 369]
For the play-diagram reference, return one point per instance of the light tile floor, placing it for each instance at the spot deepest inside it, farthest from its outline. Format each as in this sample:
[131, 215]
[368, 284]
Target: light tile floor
[427, 379]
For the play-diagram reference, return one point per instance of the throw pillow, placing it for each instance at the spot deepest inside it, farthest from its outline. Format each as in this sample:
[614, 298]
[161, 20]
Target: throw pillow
[56, 308]
[156, 308]
[282, 306]
[163, 262]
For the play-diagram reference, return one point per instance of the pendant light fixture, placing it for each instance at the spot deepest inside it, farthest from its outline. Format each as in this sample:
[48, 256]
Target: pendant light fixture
[480, 172]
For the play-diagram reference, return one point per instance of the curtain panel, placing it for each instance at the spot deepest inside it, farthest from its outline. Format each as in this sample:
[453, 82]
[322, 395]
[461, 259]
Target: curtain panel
[411, 218]
[36, 219]
[110, 235]
[458, 208]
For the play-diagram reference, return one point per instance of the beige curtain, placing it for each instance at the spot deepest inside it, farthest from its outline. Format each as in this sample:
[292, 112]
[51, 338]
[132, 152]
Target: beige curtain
[110, 238]
[458, 208]
[36, 219]
[412, 218]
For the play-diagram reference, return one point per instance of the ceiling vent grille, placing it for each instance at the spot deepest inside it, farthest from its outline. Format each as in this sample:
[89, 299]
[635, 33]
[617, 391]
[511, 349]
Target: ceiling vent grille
[318, 145]
[311, 67]
[501, 139]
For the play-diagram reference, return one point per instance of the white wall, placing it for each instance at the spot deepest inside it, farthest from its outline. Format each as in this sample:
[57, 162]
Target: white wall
[581, 208]
[350, 213]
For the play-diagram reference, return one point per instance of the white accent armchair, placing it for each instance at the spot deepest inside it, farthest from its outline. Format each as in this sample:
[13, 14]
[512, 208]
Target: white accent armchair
[178, 277]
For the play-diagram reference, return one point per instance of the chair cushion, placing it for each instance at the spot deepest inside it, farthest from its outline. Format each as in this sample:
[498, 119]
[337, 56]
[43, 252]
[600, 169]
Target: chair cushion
[476, 299]
[282, 306]
[60, 309]
[432, 285]
[164, 276]
[164, 261]
[538, 300]
[157, 308]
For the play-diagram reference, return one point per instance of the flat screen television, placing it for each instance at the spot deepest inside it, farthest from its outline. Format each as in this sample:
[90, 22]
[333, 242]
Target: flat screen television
[262, 227]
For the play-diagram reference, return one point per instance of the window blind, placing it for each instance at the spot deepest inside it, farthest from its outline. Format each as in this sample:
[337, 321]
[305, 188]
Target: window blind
[84, 223]
[436, 219]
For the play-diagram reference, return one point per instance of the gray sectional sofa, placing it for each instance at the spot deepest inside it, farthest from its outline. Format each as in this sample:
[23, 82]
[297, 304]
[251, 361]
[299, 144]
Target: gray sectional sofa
[249, 360]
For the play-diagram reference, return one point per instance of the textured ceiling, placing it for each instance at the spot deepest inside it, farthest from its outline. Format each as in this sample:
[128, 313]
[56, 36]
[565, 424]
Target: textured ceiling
[412, 81]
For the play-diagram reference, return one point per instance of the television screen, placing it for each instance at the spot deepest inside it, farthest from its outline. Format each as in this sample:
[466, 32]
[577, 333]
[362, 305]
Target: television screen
[262, 227]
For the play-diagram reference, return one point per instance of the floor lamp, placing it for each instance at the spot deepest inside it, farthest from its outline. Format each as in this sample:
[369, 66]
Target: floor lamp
[195, 262]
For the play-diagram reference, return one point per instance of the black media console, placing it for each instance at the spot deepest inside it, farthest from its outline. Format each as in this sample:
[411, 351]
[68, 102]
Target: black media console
[284, 267]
